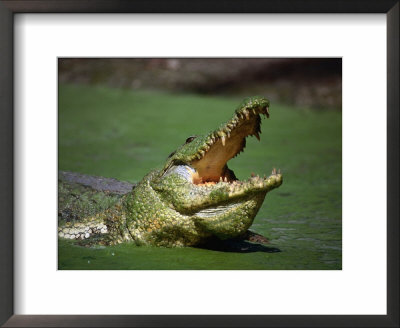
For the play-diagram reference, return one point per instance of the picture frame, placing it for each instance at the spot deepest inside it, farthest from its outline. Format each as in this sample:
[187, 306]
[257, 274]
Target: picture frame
[10, 7]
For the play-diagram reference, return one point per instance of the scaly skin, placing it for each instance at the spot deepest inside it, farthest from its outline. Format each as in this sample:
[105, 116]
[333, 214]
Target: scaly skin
[194, 197]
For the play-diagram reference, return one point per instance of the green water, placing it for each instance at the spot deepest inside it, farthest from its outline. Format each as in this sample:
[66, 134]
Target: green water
[123, 134]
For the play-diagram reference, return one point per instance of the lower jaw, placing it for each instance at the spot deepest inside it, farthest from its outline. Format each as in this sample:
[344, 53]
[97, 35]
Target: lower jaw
[233, 219]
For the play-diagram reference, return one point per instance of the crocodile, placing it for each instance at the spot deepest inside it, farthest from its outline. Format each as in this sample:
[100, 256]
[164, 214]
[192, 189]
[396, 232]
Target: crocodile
[195, 196]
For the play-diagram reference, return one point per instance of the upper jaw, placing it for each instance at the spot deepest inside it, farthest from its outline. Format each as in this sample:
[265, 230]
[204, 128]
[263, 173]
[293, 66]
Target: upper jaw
[228, 141]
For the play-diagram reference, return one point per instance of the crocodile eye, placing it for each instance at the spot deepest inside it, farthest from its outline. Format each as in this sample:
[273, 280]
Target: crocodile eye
[190, 139]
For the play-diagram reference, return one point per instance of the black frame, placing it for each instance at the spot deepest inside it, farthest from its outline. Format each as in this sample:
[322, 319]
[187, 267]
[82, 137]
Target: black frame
[7, 10]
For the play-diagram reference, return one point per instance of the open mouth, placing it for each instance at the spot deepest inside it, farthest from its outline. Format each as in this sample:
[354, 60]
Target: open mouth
[227, 142]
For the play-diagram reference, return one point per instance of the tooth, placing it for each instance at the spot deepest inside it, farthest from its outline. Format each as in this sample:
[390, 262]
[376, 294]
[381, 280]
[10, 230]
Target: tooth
[246, 112]
[223, 140]
[220, 179]
[254, 111]
[257, 136]
[225, 179]
[229, 134]
[202, 152]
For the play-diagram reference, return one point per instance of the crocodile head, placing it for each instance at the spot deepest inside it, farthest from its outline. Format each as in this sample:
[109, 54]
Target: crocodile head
[197, 182]
[207, 155]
